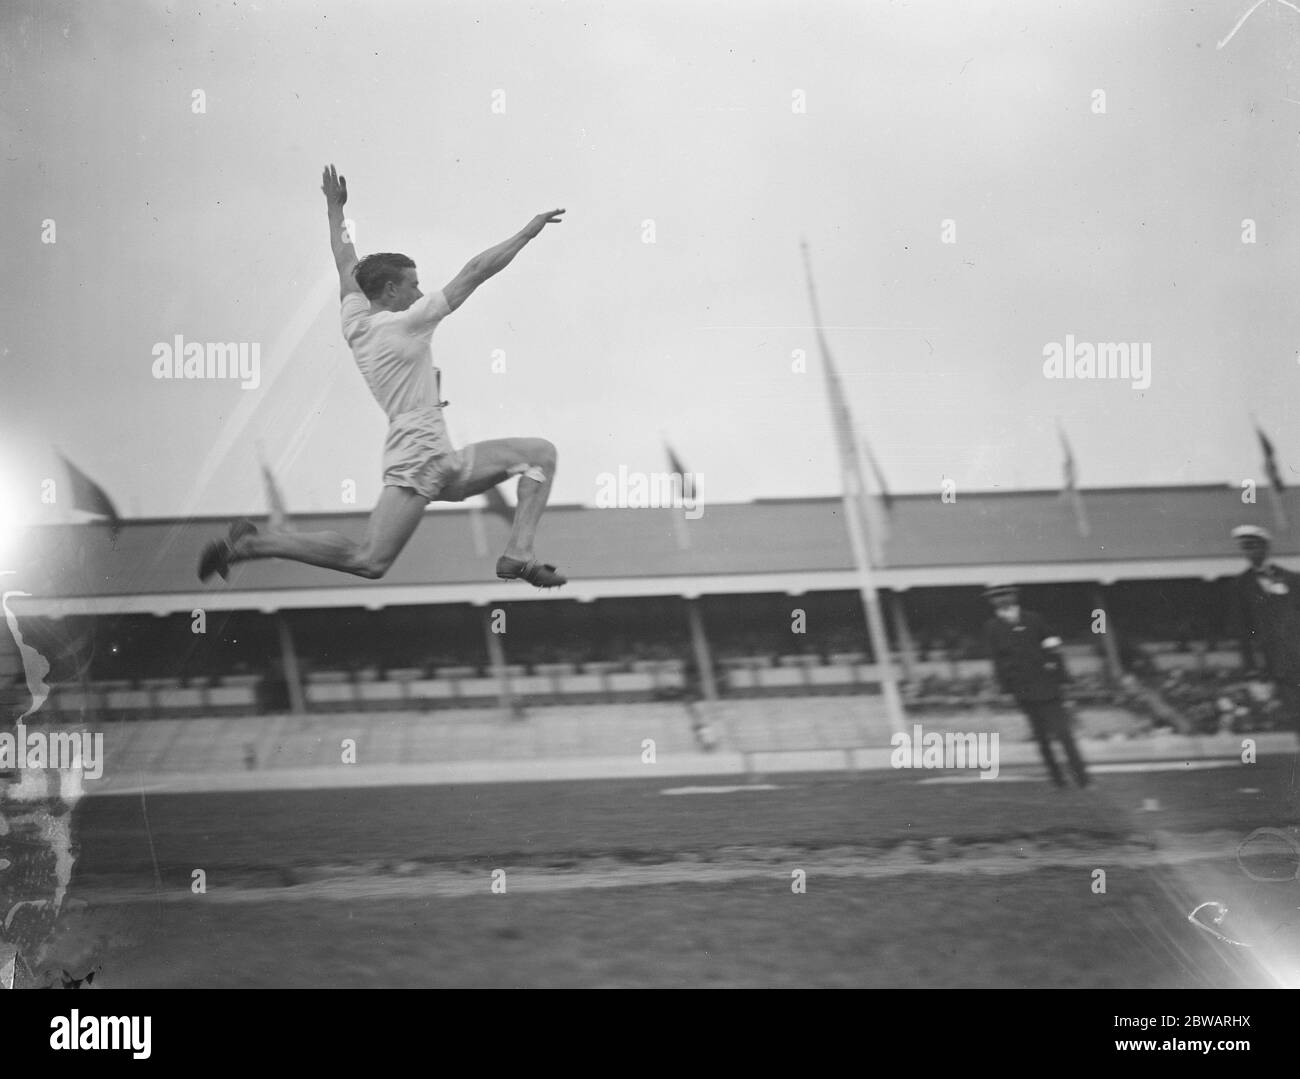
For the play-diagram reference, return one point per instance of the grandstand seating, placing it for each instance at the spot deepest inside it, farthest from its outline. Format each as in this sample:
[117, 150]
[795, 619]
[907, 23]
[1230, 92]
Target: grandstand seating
[939, 681]
[403, 674]
[1191, 661]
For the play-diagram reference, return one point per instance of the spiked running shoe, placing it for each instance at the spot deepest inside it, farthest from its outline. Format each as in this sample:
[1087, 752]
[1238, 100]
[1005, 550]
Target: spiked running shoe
[535, 573]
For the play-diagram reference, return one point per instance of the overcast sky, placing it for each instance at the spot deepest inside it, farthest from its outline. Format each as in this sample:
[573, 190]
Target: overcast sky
[1122, 225]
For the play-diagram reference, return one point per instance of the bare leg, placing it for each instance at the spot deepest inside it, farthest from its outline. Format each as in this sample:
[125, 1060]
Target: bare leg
[494, 462]
[391, 524]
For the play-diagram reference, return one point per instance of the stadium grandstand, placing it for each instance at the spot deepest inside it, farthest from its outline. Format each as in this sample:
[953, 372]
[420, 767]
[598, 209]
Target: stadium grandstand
[751, 599]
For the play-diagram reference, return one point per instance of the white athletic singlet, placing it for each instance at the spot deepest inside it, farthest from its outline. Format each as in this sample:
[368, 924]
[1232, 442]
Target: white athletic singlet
[391, 349]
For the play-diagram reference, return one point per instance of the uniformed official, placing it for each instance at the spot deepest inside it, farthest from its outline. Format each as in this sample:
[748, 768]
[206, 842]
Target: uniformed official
[1029, 666]
[1268, 604]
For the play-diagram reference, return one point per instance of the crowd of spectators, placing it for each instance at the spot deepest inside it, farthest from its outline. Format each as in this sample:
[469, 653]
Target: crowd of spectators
[1194, 698]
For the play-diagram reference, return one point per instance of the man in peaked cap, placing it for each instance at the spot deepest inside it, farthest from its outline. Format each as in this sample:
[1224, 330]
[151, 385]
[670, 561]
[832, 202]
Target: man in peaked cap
[1028, 664]
[1268, 607]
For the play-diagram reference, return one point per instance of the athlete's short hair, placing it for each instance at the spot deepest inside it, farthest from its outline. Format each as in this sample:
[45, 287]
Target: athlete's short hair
[375, 272]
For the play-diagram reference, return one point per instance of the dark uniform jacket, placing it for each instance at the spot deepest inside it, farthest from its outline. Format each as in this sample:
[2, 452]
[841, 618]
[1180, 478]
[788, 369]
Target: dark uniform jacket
[1024, 668]
[1268, 602]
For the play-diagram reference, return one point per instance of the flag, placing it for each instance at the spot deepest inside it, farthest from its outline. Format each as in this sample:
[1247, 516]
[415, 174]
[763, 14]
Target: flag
[674, 462]
[679, 518]
[498, 507]
[1070, 478]
[279, 516]
[1274, 479]
[863, 518]
[1270, 461]
[1070, 485]
[852, 450]
[88, 496]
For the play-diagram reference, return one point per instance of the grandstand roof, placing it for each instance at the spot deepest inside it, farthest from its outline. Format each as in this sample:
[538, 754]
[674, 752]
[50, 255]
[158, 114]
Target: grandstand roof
[788, 545]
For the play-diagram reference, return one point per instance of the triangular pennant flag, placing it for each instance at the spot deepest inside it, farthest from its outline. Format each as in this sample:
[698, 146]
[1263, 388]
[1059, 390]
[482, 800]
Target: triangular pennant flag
[1070, 485]
[1270, 461]
[1274, 478]
[674, 462]
[680, 531]
[88, 496]
[852, 450]
[279, 516]
[865, 520]
[1069, 478]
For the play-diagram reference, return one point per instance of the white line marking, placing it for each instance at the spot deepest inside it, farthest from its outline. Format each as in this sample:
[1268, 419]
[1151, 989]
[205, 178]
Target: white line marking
[712, 327]
[722, 790]
[1119, 766]
[1161, 766]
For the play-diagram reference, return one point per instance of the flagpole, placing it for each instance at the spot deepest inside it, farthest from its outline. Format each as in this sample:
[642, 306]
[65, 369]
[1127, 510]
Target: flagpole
[476, 527]
[873, 523]
[278, 519]
[853, 477]
[292, 671]
[871, 605]
[1081, 516]
[1279, 511]
[1070, 488]
[497, 658]
[678, 517]
[903, 634]
[1114, 668]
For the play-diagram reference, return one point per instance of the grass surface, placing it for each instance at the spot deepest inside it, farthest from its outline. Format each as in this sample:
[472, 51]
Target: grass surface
[908, 884]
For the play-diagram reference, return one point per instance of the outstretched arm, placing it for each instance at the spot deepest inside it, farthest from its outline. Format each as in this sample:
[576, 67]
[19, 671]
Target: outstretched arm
[494, 260]
[345, 255]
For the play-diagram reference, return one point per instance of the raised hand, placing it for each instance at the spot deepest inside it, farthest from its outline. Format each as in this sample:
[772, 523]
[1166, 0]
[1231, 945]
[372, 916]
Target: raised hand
[551, 217]
[334, 186]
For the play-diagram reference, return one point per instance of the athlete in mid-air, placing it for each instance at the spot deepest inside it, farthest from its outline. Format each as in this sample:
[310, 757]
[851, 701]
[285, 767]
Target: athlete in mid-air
[388, 322]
